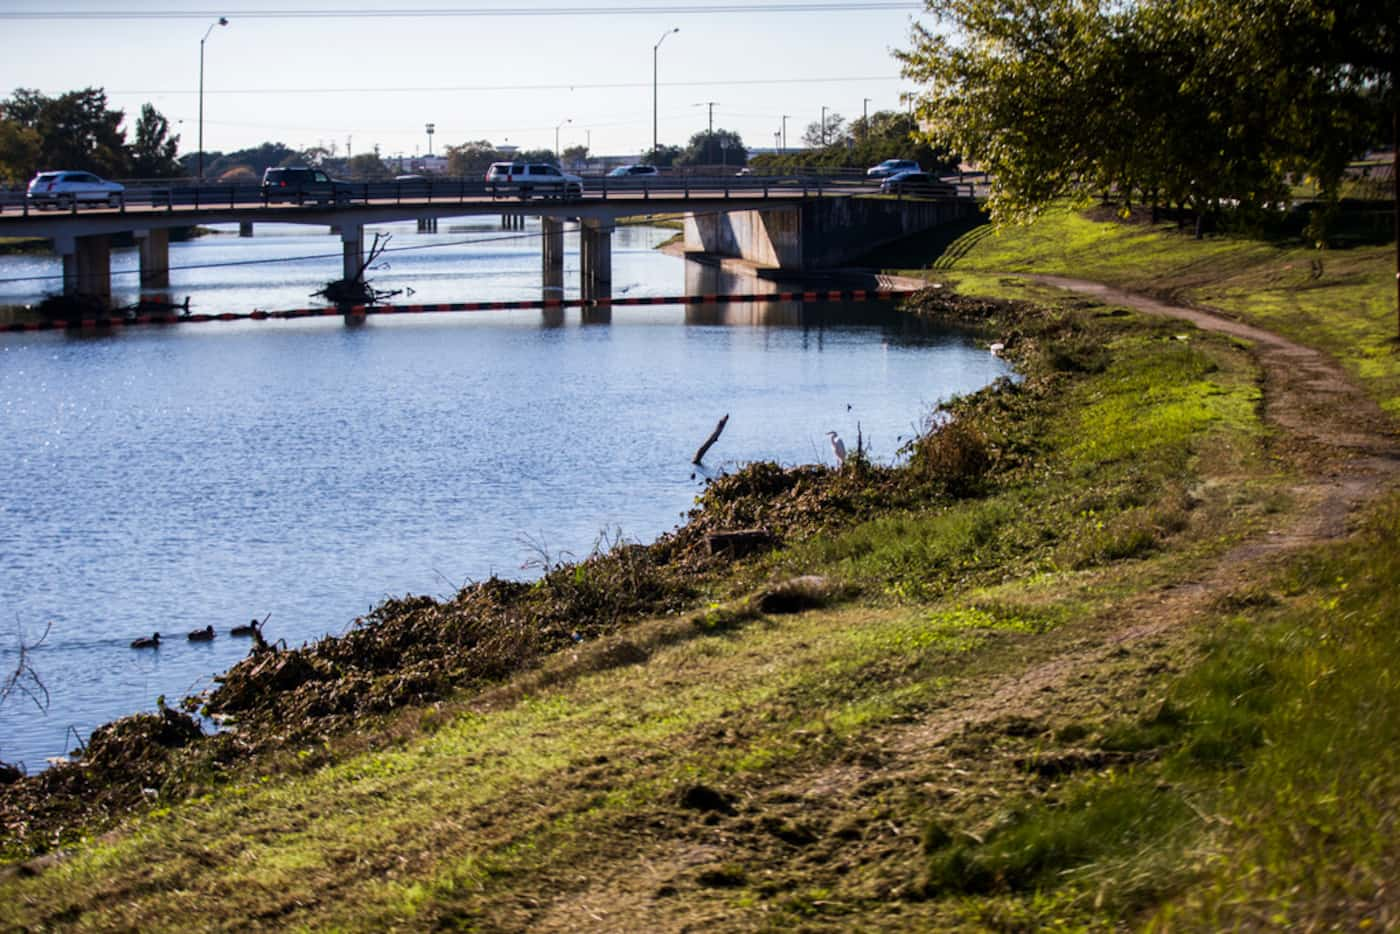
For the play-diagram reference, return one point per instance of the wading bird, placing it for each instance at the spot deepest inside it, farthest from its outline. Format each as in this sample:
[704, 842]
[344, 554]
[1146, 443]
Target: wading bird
[838, 448]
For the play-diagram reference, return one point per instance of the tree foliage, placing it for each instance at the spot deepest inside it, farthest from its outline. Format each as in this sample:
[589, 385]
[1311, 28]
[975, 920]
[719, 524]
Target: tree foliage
[722, 147]
[886, 134]
[75, 130]
[153, 152]
[663, 156]
[829, 133]
[1200, 103]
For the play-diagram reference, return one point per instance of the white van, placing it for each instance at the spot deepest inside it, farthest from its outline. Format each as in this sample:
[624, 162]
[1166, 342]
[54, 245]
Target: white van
[523, 179]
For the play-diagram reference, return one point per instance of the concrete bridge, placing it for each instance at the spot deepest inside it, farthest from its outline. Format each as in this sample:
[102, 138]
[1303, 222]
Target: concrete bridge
[788, 223]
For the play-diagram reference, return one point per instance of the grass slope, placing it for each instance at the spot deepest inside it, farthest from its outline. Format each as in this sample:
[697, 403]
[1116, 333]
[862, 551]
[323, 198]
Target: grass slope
[1067, 688]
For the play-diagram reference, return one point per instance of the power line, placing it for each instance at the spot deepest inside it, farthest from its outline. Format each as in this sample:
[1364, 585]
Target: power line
[477, 88]
[802, 6]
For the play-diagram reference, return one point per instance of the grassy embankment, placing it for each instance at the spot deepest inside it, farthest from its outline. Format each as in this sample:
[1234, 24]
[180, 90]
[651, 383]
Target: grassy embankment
[1056, 694]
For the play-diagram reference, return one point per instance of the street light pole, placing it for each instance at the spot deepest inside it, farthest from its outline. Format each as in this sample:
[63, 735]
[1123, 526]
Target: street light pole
[222, 21]
[655, 144]
[785, 120]
[823, 126]
[556, 140]
[865, 117]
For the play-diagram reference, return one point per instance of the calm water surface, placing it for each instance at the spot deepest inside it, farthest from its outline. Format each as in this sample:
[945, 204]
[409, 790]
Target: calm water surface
[162, 479]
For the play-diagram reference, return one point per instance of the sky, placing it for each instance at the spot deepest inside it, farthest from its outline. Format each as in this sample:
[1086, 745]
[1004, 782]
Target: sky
[518, 72]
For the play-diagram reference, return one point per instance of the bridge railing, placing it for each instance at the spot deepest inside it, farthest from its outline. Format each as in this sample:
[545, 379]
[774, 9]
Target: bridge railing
[183, 194]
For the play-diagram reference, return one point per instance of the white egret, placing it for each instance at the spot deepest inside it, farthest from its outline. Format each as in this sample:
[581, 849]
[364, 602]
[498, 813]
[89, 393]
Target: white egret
[838, 448]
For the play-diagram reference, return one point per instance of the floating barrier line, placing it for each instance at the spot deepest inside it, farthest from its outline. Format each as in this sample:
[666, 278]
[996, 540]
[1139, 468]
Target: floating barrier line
[836, 295]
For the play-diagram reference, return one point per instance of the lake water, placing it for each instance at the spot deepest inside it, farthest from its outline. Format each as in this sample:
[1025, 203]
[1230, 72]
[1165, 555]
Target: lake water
[165, 478]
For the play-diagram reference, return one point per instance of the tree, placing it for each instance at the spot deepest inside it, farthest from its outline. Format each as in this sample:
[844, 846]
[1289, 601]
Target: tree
[472, 158]
[153, 152]
[662, 156]
[820, 134]
[722, 147]
[886, 134]
[19, 151]
[367, 166]
[76, 130]
[575, 156]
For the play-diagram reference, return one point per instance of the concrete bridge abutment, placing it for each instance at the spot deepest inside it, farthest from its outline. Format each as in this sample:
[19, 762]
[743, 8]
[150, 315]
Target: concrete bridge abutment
[817, 234]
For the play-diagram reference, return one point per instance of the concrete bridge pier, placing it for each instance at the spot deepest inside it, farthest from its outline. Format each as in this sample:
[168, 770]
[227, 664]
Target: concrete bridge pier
[512, 221]
[155, 258]
[352, 239]
[595, 255]
[245, 228]
[427, 225]
[87, 266]
[553, 248]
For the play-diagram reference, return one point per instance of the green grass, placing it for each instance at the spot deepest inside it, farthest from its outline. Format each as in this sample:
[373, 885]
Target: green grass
[1340, 301]
[1243, 774]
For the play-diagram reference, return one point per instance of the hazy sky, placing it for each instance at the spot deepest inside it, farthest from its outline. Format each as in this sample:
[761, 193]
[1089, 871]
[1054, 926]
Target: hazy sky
[480, 72]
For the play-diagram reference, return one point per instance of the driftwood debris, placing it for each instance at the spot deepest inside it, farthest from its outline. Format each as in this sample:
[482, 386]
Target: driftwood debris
[739, 542]
[709, 442]
[355, 290]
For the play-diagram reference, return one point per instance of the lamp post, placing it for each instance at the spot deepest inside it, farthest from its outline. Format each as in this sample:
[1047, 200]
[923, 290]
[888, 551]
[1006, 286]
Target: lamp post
[785, 120]
[430, 128]
[655, 144]
[222, 21]
[556, 138]
[823, 126]
[865, 117]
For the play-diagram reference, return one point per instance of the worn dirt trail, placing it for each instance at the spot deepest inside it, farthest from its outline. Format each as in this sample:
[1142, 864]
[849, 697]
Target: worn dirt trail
[1339, 442]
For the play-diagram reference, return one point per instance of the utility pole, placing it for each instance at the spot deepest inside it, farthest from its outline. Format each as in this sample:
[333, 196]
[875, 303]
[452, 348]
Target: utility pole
[823, 125]
[865, 119]
[785, 120]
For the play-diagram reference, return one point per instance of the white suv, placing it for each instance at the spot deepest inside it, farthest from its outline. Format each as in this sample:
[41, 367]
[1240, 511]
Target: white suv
[526, 178]
[67, 189]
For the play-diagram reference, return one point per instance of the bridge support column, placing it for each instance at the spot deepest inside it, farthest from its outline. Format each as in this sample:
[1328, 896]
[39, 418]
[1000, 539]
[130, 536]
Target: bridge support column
[155, 258]
[427, 225]
[87, 266]
[352, 238]
[595, 255]
[245, 228]
[553, 248]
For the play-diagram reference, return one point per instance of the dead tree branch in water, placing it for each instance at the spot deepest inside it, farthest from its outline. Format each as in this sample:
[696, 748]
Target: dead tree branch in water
[25, 679]
[709, 442]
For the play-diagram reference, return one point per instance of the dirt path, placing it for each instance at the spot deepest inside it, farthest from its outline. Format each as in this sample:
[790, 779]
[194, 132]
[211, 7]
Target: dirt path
[1347, 453]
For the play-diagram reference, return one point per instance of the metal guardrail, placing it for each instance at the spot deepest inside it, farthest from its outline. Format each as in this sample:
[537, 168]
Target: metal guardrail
[188, 195]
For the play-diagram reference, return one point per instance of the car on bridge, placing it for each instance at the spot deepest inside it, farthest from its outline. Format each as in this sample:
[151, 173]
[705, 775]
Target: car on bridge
[66, 190]
[524, 179]
[300, 184]
[634, 171]
[892, 167]
[921, 184]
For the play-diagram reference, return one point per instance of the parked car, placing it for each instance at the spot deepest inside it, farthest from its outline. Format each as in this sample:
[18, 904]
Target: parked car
[300, 184]
[917, 183]
[67, 189]
[892, 167]
[527, 178]
[633, 171]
